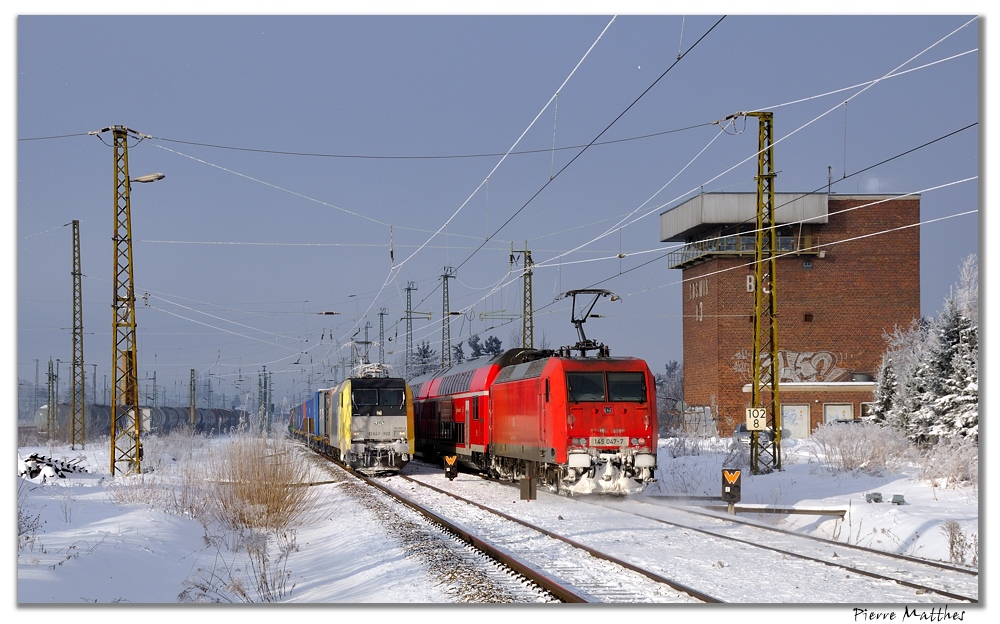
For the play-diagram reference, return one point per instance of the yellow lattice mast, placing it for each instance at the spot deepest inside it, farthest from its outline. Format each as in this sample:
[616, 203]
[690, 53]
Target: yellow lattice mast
[126, 415]
[765, 454]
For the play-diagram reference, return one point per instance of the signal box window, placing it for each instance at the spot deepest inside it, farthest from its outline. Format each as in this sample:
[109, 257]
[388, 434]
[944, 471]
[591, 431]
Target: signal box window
[586, 387]
[627, 387]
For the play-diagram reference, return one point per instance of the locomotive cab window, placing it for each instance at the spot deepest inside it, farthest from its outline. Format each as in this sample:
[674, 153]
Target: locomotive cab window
[365, 397]
[627, 387]
[392, 397]
[586, 387]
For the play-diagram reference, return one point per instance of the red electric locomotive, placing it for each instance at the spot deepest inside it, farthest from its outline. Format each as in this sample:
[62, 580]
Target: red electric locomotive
[582, 423]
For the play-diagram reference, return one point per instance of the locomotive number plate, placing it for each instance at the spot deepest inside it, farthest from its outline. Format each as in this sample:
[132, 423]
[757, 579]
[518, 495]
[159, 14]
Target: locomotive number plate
[608, 441]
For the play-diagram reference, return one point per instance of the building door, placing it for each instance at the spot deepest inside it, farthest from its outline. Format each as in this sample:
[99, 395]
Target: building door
[837, 411]
[795, 420]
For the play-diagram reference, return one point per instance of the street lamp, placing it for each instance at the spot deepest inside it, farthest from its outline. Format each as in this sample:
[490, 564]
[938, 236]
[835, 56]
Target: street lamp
[149, 177]
[125, 442]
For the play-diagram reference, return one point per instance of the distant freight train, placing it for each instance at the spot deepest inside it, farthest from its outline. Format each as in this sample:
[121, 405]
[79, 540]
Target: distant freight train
[366, 422]
[544, 413]
[97, 419]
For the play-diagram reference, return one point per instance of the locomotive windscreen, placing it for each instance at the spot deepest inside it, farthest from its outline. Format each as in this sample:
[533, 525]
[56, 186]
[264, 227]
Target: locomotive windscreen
[391, 397]
[364, 397]
[627, 386]
[610, 386]
[384, 397]
[586, 386]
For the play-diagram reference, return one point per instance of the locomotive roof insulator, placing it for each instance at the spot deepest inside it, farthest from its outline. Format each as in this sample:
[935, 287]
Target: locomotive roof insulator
[367, 370]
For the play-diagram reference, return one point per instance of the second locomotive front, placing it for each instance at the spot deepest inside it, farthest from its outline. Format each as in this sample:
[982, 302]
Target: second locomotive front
[365, 423]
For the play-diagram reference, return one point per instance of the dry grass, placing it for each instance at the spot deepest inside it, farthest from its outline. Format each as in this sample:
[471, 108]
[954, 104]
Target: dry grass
[258, 483]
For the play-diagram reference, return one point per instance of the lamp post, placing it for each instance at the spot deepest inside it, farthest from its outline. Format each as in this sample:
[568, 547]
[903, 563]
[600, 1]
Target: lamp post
[125, 435]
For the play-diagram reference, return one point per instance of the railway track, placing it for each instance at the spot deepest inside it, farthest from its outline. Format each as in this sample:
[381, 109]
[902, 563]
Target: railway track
[571, 570]
[465, 574]
[637, 551]
[944, 579]
[567, 571]
[823, 571]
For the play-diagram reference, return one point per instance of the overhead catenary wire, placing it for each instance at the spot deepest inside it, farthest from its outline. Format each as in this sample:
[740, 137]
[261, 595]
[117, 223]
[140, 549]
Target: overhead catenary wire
[395, 270]
[584, 149]
[547, 263]
[599, 135]
[868, 85]
[634, 211]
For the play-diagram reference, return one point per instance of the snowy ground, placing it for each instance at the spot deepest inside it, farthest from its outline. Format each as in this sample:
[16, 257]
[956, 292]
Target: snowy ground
[88, 549]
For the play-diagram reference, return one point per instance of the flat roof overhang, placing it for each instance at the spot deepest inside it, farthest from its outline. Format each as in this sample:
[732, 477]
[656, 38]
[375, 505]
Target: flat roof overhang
[708, 211]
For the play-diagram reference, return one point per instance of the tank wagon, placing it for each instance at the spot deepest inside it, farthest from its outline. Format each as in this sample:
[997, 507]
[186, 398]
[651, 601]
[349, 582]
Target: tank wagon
[155, 420]
[548, 414]
[365, 422]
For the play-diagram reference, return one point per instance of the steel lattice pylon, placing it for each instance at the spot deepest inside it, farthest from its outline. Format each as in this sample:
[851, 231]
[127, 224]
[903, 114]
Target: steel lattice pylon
[527, 320]
[408, 364]
[52, 409]
[764, 392]
[78, 429]
[191, 390]
[125, 415]
[449, 273]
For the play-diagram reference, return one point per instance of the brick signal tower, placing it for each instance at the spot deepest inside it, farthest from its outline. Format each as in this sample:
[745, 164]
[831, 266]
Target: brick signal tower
[848, 271]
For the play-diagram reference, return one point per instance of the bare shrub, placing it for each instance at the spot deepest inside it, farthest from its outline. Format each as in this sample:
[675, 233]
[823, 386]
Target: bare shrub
[959, 545]
[868, 448]
[258, 483]
[189, 496]
[28, 523]
[682, 445]
[260, 578]
[738, 456]
[134, 489]
[953, 461]
[166, 452]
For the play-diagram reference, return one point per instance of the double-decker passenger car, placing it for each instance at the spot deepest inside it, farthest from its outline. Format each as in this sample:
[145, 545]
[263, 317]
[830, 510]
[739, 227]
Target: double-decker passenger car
[542, 413]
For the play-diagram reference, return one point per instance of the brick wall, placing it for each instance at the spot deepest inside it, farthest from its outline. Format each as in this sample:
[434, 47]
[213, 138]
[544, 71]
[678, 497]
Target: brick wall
[831, 316]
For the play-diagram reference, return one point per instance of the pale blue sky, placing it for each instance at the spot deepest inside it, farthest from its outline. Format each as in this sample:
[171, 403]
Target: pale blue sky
[291, 144]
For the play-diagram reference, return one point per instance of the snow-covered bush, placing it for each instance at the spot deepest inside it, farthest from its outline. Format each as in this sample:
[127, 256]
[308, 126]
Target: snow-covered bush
[868, 447]
[951, 462]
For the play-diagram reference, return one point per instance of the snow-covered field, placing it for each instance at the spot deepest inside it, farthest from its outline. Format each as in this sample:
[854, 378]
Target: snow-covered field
[84, 548]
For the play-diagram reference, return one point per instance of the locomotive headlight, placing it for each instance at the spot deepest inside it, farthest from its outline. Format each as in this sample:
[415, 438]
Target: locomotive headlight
[579, 441]
[636, 441]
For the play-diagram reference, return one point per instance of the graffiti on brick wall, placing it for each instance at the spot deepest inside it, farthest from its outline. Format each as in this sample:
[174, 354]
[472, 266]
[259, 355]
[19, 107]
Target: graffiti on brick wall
[793, 366]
